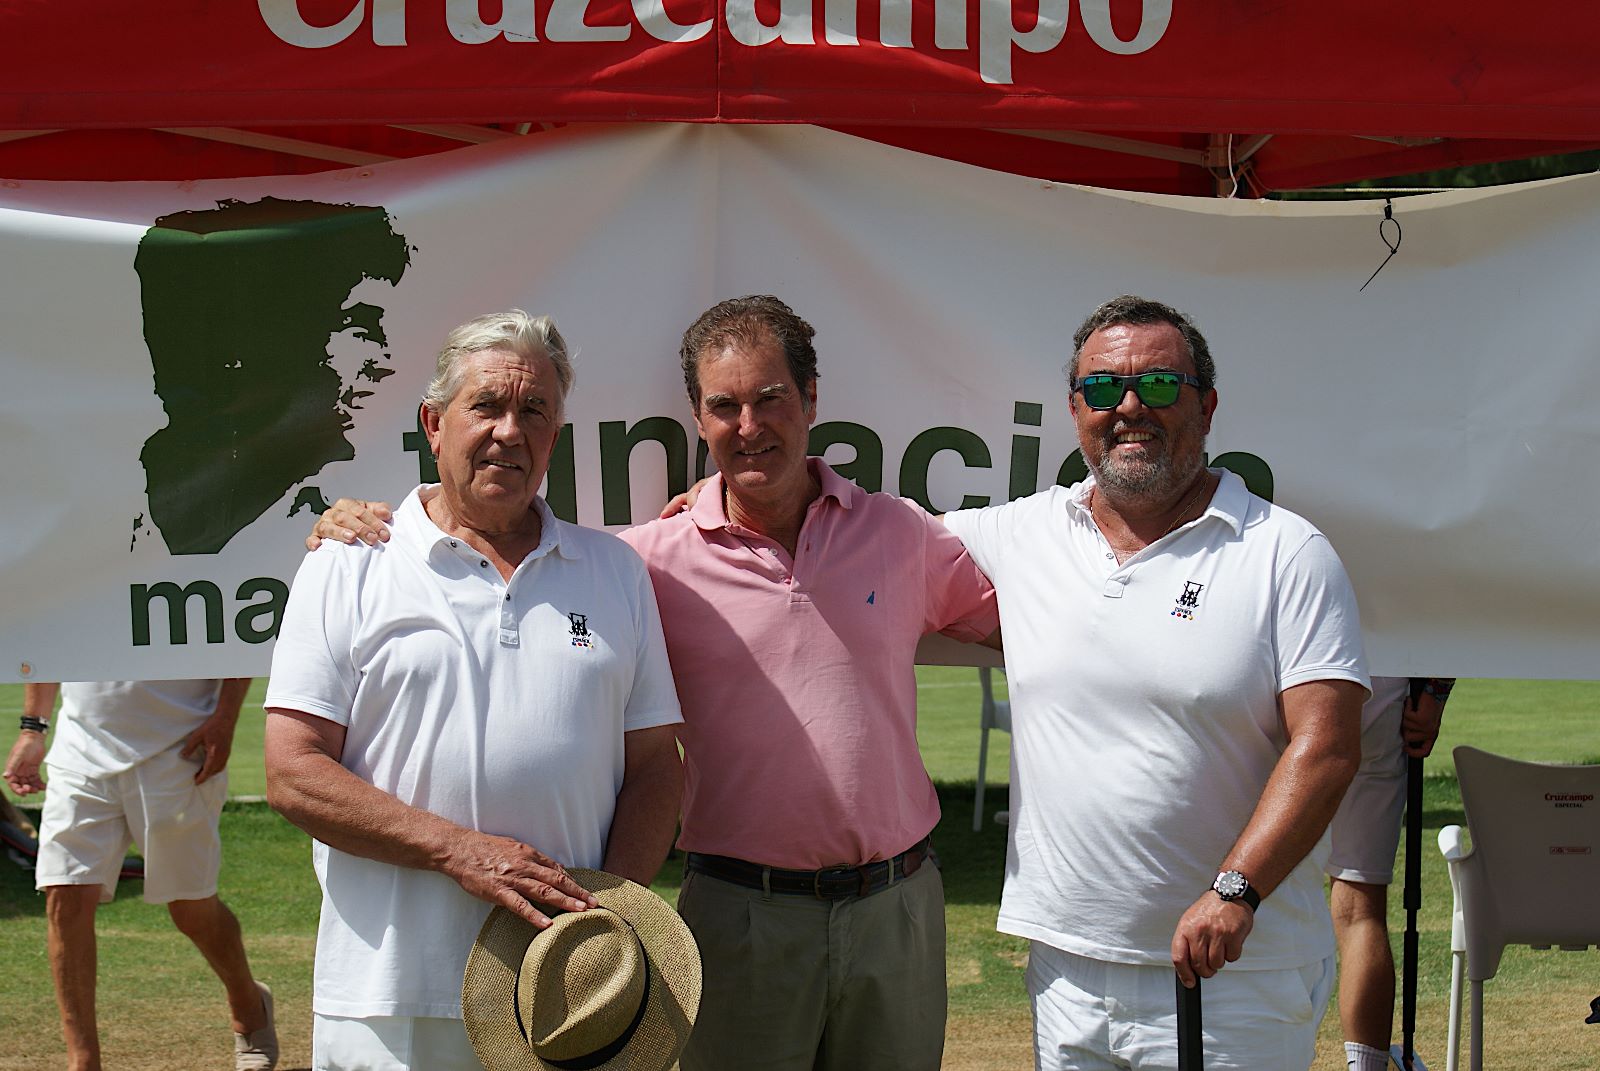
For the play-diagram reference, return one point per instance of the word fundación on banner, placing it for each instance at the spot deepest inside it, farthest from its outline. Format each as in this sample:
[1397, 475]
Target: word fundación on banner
[797, 23]
[260, 601]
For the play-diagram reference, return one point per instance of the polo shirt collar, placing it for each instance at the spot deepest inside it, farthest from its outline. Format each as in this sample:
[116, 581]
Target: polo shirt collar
[834, 486]
[1229, 503]
[419, 531]
[709, 513]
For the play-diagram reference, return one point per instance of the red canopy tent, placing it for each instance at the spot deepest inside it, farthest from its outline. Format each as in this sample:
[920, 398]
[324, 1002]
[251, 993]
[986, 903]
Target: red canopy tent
[1167, 95]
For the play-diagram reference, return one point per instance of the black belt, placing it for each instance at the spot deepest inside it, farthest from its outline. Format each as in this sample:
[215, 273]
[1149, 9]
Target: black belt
[830, 883]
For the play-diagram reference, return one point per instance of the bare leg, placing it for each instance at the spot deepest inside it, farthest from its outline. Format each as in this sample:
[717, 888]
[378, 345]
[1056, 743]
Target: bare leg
[215, 932]
[69, 914]
[1366, 964]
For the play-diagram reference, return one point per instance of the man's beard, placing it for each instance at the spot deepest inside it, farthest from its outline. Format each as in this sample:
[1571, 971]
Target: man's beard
[1158, 478]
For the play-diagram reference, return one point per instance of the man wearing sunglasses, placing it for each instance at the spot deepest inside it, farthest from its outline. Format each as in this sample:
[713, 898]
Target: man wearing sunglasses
[1192, 654]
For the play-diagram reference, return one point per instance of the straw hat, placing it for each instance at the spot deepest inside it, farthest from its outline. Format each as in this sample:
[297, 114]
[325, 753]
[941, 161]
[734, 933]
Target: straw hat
[613, 988]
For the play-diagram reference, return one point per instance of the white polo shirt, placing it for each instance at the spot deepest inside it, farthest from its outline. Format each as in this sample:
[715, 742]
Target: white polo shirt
[1144, 713]
[107, 727]
[500, 705]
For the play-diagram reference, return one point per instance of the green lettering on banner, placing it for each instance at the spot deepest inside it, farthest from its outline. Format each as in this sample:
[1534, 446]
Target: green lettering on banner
[427, 467]
[1025, 451]
[141, 596]
[702, 453]
[561, 482]
[918, 458]
[1072, 470]
[1255, 472]
[617, 441]
[277, 593]
[866, 468]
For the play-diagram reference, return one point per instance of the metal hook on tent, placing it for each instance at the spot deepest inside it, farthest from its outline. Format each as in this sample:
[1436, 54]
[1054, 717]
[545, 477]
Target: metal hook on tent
[1394, 246]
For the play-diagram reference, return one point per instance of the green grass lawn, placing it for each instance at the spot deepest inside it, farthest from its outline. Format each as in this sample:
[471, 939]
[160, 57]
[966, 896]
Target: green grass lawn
[159, 1008]
[1548, 721]
[1541, 721]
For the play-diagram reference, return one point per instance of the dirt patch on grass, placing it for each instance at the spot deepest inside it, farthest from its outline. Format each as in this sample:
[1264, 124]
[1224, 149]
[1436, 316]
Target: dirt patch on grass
[1542, 1029]
[1001, 1041]
[963, 971]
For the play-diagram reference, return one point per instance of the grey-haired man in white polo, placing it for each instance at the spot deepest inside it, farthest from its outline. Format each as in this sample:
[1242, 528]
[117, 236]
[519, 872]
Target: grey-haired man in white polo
[459, 715]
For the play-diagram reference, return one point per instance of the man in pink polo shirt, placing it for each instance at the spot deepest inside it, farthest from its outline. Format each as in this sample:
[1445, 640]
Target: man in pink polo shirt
[792, 603]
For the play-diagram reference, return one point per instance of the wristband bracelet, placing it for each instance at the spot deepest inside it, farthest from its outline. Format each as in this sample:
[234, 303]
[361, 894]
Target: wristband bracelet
[34, 725]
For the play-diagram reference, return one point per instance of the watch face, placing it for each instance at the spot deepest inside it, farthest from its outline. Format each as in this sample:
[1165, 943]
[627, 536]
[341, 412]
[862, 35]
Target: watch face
[1230, 884]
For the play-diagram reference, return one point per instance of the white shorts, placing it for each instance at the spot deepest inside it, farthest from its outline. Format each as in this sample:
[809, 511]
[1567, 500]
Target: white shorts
[391, 1043]
[1091, 1015]
[88, 823]
[1365, 832]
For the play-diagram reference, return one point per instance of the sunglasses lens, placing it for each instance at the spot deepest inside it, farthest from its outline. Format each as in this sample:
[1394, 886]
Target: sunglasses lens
[1159, 389]
[1102, 392]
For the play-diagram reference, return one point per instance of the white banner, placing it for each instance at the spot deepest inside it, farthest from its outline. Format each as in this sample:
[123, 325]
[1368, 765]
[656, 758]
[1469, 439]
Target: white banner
[191, 369]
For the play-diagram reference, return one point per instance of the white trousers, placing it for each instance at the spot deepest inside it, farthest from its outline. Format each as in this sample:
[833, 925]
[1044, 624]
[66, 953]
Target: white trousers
[1091, 1015]
[391, 1043]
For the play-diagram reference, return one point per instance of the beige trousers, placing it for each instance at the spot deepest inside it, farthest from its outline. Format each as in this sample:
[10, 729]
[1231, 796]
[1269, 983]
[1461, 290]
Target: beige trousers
[793, 983]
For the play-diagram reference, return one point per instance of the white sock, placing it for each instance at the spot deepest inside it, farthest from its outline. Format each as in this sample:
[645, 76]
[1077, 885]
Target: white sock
[1359, 1057]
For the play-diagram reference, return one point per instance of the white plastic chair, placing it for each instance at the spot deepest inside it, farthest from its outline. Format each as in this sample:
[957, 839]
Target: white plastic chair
[996, 715]
[1532, 876]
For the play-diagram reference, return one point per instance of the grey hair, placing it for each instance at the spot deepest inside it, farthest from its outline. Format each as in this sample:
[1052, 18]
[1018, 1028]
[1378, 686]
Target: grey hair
[526, 336]
[1137, 311]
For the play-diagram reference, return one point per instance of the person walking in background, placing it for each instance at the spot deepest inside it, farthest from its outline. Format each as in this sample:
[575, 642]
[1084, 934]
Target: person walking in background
[142, 762]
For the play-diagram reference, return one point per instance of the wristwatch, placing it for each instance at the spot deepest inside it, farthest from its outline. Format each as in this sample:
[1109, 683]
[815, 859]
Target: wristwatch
[1232, 885]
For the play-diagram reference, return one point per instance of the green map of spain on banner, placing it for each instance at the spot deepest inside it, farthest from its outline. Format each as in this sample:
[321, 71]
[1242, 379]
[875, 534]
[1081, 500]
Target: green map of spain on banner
[240, 303]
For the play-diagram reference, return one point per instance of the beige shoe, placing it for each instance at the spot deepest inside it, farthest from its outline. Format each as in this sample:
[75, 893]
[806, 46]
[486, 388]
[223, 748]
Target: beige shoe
[258, 1050]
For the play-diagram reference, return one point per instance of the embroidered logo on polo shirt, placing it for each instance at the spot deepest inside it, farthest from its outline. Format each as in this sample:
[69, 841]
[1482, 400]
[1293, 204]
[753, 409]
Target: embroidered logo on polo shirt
[1188, 602]
[580, 630]
[873, 597]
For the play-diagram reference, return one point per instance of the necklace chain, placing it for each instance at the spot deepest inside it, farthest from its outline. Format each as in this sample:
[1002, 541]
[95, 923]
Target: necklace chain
[1187, 506]
[1182, 510]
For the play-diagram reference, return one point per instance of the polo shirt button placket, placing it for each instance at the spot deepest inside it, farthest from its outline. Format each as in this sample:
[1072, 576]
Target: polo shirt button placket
[510, 635]
[1112, 589]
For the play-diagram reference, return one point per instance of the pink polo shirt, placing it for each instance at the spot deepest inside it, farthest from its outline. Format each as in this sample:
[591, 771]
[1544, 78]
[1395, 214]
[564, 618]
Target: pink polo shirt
[796, 677]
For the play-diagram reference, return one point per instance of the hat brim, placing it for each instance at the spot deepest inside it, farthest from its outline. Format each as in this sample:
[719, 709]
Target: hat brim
[488, 988]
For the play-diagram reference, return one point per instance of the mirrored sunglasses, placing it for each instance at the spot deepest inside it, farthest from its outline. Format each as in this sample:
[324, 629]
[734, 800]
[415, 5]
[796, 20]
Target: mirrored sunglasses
[1156, 390]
